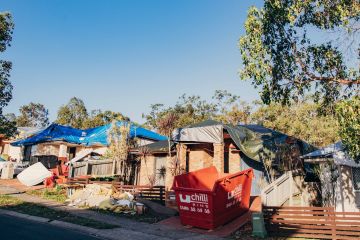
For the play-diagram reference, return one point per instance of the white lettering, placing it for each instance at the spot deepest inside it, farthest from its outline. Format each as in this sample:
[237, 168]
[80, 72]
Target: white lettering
[196, 197]
[237, 191]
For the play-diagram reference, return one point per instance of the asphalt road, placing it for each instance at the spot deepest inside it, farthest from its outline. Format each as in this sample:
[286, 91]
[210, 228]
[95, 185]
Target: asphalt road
[14, 228]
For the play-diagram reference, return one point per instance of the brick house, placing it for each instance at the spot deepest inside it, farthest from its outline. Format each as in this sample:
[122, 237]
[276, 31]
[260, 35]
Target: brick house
[229, 148]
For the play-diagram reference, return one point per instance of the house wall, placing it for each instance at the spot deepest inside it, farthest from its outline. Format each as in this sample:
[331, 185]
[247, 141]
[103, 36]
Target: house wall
[160, 163]
[344, 198]
[199, 157]
[45, 149]
[234, 162]
[12, 151]
[15, 152]
[345, 193]
[147, 170]
[150, 168]
[203, 156]
[218, 160]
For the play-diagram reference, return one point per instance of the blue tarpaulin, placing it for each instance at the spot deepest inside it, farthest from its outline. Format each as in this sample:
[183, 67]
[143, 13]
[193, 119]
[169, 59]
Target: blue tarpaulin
[87, 137]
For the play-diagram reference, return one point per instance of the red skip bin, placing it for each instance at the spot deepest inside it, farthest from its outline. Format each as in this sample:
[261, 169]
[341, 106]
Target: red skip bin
[208, 199]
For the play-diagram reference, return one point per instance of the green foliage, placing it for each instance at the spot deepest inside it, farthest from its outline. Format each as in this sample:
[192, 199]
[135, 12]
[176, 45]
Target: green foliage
[281, 56]
[73, 114]
[230, 108]
[166, 125]
[99, 118]
[348, 114]
[76, 115]
[224, 107]
[7, 127]
[33, 115]
[189, 109]
[119, 145]
[301, 120]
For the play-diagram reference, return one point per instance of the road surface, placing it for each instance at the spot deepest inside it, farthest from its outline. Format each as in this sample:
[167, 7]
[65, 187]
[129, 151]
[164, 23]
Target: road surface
[14, 228]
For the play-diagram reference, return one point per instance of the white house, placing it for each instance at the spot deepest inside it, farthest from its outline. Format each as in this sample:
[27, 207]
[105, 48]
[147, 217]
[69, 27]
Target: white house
[339, 175]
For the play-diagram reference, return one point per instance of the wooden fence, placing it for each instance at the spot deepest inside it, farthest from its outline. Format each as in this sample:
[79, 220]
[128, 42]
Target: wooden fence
[312, 222]
[154, 193]
[99, 168]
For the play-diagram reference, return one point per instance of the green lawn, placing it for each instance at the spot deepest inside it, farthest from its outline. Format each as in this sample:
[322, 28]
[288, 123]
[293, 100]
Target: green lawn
[57, 193]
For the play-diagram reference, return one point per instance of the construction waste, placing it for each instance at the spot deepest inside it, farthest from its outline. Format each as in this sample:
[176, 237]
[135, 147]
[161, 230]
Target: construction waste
[105, 197]
[34, 174]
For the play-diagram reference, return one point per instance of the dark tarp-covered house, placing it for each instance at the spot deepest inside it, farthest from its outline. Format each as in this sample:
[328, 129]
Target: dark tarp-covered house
[230, 148]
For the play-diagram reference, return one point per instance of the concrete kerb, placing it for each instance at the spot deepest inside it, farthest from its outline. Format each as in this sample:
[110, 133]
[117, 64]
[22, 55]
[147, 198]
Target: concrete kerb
[110, 234]
[66, 225]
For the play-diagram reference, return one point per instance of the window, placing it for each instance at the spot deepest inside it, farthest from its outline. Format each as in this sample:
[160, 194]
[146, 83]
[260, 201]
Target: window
[71, 152]
[27, 153]
[356, 178]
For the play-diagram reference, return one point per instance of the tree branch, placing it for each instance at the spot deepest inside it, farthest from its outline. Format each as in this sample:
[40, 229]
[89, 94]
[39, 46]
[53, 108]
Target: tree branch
[314, 77]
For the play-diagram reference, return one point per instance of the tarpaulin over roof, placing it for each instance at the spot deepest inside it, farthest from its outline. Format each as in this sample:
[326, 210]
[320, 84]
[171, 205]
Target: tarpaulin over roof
[87, 137]
[335, 152]
[255, 141]
[159, 147]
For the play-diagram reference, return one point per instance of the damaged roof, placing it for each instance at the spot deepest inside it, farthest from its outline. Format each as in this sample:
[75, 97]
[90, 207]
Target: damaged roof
[87, 137]
[255, 141]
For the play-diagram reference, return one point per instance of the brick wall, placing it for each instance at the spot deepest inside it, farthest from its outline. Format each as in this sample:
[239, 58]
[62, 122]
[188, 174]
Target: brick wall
[147, 169]
[234, 162]
[181, 148]
[169, 178]
[219, 157]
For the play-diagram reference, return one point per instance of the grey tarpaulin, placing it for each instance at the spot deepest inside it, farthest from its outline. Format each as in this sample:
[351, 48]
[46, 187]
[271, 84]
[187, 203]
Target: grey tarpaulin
[335, 151]
[255, 141]
[209, 134]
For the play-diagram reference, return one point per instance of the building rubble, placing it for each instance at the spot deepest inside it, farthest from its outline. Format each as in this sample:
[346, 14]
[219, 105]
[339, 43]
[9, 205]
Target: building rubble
[105, 197]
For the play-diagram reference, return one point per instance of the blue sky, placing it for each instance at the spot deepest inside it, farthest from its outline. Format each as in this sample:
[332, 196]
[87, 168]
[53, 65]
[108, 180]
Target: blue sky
[124, 55]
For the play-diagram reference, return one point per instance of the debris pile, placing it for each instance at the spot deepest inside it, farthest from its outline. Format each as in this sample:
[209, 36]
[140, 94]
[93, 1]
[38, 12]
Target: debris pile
[105, 197]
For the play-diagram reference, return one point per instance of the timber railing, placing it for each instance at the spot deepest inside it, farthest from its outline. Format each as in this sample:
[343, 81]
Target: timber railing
[280, 191]
[153, 193]
[312, 222]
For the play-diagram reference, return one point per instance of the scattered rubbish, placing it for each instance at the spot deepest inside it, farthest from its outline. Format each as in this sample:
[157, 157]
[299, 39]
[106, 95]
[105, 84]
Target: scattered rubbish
[91, 196]
[123, 195]
[123, 202]
[104, 197]
[34, 174]
[140, 208]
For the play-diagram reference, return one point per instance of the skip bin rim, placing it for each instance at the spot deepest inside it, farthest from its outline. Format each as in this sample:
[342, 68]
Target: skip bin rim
[233, 175]
[216, 182]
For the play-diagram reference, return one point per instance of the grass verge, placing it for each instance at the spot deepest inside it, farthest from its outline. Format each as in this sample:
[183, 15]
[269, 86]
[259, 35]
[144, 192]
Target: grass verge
[57, 193]
[14, 204]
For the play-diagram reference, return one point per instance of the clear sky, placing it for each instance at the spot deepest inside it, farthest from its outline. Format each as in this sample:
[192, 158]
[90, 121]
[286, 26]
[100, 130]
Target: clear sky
[124, 55]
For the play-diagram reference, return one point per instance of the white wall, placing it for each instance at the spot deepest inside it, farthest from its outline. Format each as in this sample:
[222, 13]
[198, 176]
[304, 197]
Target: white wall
[345, 196]
[345, 193]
